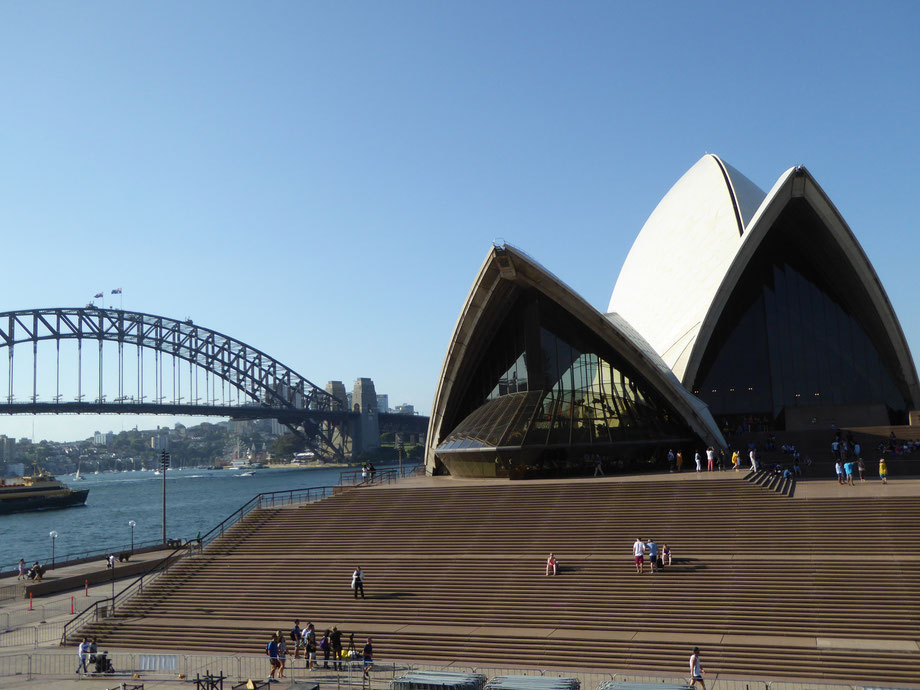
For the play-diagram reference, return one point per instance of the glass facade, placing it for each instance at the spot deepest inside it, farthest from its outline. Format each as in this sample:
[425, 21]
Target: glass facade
[798, 331]
[550, 390]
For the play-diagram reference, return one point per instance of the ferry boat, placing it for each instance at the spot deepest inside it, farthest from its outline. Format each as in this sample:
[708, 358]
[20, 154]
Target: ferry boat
[38, 491]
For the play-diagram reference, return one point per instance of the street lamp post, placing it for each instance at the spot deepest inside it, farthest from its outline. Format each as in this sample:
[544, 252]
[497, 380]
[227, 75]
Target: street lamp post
[53, 536]
[164, 463]
[132, 524]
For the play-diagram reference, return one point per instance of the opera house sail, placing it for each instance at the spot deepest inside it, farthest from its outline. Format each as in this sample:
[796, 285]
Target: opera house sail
[733, 306]
[783, 321]
[539, 383]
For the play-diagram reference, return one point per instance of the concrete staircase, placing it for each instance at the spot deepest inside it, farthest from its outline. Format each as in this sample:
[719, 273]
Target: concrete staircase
[768, 586]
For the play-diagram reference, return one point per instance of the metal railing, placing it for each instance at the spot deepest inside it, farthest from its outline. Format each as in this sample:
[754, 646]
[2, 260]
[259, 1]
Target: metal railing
[268, 499]
[107, 606]
[76, 557]
[52, 665]
[387, 476]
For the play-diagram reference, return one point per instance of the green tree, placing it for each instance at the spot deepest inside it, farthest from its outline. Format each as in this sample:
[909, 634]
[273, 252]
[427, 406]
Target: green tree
[288, 444]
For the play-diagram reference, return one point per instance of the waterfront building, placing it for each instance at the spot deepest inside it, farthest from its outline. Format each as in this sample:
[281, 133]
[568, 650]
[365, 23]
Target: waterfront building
[405, 408]
[103, 439]
[733, 302]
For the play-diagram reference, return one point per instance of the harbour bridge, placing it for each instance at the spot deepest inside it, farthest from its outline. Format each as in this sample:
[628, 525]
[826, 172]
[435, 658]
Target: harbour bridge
[224, 377]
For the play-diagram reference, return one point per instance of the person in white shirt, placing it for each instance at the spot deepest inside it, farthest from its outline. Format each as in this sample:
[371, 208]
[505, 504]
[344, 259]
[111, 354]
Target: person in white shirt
[357, 582]
[83, 655]
[638, 554]
[753, 456]
[696, 671]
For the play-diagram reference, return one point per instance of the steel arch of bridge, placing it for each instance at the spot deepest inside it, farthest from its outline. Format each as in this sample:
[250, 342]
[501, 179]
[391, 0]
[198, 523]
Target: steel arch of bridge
[260, 377]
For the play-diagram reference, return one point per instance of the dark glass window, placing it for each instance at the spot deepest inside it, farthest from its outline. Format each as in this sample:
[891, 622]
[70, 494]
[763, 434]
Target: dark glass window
[587, 396]
[798, 331]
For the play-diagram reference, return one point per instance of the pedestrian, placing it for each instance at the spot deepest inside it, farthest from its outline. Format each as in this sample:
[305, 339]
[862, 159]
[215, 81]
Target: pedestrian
[849, 468]
[325, 646]
[295, 638]
[736, 460]
[271, 650]
[671, 459]
[552, 565]
[310, 646]
[710, 459]
[598, 466]
[83, 655]
[22, 569]
[357, 582]
[883, 470]
[638, 554]
[652, 555]
[753, 457]
[838, 468]
[368, 655]
[699, 461]
[666, 556]
[336, 640]
[680, 460]
[282, 654]
[696, 671]
[861, 468]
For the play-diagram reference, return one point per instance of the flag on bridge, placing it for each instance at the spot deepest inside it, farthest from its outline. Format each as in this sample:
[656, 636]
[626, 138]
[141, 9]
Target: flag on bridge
[116, 291]
[97, 295]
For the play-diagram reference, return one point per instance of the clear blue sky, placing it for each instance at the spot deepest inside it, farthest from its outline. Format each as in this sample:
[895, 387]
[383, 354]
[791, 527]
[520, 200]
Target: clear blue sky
[323, 179]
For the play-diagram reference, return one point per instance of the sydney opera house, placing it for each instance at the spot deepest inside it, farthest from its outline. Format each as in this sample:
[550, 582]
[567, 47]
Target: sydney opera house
[733, 306]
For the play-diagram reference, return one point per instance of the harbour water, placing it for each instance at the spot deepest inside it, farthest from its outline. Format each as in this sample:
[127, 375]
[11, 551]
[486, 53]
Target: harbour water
[196, 501]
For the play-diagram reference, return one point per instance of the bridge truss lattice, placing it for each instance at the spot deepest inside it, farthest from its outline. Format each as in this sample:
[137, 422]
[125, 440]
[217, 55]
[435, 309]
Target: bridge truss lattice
[264, 382]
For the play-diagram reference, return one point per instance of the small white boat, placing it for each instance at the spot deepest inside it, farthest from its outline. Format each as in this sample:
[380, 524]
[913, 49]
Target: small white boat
[246, 474]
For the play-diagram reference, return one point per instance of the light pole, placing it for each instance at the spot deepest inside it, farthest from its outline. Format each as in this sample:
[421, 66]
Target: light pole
[132, 525]
[164, 462]
[53, 536]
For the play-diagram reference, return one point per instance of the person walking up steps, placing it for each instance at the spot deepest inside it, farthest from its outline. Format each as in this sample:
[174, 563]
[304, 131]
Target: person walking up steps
[638, 554]
[652, 555]
[357, 582]
[696, 671]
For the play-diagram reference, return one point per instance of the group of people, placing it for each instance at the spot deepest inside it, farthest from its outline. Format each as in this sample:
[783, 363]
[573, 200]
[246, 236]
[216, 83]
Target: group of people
[657, 559]
[88, 653]
[33, 573]
[847, 471]
[305, 639]
[715, 459]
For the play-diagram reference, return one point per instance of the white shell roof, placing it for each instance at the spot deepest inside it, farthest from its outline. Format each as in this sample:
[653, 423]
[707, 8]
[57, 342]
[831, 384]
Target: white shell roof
[681, 255]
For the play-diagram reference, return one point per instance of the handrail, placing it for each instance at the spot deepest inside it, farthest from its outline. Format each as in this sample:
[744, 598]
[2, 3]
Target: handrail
[156, 565]
[351, 477]
[269, 499]
[74, 557]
